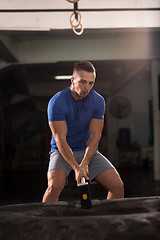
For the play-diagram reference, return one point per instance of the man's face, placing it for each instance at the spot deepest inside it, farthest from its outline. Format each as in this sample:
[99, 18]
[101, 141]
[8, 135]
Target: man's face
[81, 83]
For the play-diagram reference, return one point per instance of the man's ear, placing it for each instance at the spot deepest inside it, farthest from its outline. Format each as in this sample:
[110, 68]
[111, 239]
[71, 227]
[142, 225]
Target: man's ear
[72, 80]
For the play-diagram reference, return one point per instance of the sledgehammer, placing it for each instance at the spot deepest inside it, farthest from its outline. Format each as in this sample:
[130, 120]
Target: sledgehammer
[84, 192]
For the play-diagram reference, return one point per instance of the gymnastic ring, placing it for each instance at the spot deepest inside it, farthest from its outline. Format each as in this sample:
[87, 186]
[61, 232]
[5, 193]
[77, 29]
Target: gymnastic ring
[80, 17]
[72, 1]
[77, 25]
[76, 32]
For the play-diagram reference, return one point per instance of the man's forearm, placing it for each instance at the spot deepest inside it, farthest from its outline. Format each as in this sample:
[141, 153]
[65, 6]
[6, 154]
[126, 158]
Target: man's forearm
[67, 153]
[59, 131]
[95, 129]
[92, 145]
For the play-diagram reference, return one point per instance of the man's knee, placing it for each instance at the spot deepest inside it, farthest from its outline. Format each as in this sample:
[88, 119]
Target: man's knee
[56, 181]
[55, 188]
[118, 188]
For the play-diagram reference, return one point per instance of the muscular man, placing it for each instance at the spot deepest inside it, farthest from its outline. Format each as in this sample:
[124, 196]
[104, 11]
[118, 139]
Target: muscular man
[76, 117]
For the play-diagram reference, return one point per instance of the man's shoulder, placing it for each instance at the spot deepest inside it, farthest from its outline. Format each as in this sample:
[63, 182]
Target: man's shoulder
[97, 96]
[60, 96]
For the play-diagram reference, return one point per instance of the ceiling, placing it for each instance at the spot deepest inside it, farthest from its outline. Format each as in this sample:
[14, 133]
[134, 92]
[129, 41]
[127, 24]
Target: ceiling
[31, 82]
[37, 80]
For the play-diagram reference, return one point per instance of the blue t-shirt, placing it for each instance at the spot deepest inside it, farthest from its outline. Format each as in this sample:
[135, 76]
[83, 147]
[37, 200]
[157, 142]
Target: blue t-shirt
[77, 114]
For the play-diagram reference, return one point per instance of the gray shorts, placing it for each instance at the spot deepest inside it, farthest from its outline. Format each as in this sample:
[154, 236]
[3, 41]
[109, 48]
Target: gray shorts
[98, 163]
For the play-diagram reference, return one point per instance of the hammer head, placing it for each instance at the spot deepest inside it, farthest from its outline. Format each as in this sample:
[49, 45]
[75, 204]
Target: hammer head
[84, 192]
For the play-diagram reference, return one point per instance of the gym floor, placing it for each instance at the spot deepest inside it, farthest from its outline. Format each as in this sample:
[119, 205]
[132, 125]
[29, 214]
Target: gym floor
[137, 183]
[28, 187]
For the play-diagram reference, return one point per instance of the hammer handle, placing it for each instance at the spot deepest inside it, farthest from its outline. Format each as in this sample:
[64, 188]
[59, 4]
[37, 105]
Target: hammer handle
[83, 180]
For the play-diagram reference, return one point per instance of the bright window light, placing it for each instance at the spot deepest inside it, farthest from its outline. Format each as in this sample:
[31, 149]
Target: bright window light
[63, 77]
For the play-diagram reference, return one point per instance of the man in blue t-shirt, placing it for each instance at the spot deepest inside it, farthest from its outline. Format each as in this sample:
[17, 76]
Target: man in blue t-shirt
[76, 118]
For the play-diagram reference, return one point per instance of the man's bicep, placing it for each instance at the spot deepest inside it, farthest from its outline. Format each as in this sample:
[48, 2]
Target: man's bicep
[58, 128]
[99, 109]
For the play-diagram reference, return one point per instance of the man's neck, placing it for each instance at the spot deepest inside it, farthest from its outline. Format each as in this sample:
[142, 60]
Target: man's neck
[75, 95]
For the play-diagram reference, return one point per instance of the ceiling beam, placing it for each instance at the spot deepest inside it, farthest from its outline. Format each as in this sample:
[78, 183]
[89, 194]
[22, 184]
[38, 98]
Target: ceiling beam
[21, 15]
[6, 53]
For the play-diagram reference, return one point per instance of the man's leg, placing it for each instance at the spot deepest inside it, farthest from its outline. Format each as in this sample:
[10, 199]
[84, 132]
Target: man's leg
[111, 180]
[56, 183]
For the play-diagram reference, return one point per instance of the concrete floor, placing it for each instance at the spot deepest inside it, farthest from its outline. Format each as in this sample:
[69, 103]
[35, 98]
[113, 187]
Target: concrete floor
[30, 186]
[138, 182]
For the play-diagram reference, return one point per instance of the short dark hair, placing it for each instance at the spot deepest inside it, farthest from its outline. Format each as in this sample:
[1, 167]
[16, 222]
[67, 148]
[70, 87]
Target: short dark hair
[85, 66]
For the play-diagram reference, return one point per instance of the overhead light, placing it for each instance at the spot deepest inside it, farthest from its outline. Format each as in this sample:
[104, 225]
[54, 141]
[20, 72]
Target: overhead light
[63, 77]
